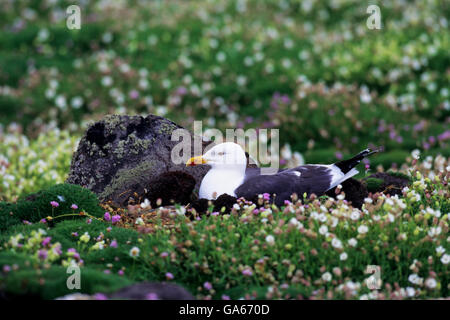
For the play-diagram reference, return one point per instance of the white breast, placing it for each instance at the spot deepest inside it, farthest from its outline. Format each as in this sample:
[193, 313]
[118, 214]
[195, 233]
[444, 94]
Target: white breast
[218, 182]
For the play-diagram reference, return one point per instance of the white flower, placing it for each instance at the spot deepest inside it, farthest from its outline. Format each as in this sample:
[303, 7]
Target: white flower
[352, 242]
[293, 222]
[270, 239]
[323, 230]
[145, 204]
[106, 81]
[440, 250]
[431, 283]
[336, 243]
[445, 259]
[355, 215]
[76, 102]
[410, 292]
[139, 221]
[415, 154]
[134, 252]
[363, 229]
[415, 279]
[327, 277]
[343, 256]
[236, 206]
[181, 211]
[434, 231]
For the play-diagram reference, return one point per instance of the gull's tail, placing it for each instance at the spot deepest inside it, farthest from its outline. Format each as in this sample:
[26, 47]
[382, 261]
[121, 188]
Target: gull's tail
[349, 164]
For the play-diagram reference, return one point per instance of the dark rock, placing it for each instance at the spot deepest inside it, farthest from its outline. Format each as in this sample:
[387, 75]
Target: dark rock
[161, 290]
[123, 157]
[224, 202]
[200, 205]
[171, 187]
[392, 183]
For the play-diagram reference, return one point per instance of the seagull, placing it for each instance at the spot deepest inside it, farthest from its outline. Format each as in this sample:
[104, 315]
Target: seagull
[229, 175]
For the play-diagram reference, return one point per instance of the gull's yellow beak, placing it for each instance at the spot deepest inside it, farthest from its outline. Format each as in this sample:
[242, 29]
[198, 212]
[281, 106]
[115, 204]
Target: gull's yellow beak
[195, 161]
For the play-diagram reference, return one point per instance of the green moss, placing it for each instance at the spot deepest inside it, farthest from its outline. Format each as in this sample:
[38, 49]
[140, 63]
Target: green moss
[127, 177]
[27, 281]
[374, 184]
[8, 217]
[167, 128]
[35, 207]
[112, 121]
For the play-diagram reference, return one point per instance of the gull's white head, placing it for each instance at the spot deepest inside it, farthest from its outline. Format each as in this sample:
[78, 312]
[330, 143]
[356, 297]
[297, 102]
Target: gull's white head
[228, 163]
[227, 155]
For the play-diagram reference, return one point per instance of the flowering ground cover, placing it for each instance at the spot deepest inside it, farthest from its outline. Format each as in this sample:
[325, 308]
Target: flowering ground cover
[309, 68]
[315, 248]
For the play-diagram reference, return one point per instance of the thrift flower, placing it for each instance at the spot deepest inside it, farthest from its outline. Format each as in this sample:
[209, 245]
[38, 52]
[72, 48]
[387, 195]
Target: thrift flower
[115, 218]
[207, 285]
[74, 206]
[169, 276]
[107, 216]
[54, 204]
[113, 244]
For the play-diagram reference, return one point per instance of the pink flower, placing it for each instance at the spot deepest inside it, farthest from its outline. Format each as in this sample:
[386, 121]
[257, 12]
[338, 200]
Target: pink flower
[113, 244]
[43, 221]
[54, 204]
[247, 272]
[169, 276]
[120, 272]
[74, 207]
[107, 216]
[46, 241]
[6, 268]
[207, 285]
[164, 254]
[266, 196]
[225, 297]
[42, 254]
[134, 94]
[115, 218]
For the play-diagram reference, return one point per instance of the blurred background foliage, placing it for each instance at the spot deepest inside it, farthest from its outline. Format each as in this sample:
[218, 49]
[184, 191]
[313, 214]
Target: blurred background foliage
[309, 68]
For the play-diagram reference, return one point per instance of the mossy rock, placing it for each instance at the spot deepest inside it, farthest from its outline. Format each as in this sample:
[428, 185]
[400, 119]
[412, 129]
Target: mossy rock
[387, 183]
[374, 184]
[120, 156]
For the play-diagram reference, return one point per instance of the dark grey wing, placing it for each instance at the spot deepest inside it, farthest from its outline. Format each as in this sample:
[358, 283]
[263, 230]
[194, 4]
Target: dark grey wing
[253, 172]
[308, 178]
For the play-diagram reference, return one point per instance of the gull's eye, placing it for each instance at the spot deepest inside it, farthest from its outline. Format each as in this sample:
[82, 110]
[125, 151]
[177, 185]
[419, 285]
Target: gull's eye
[221, 153]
